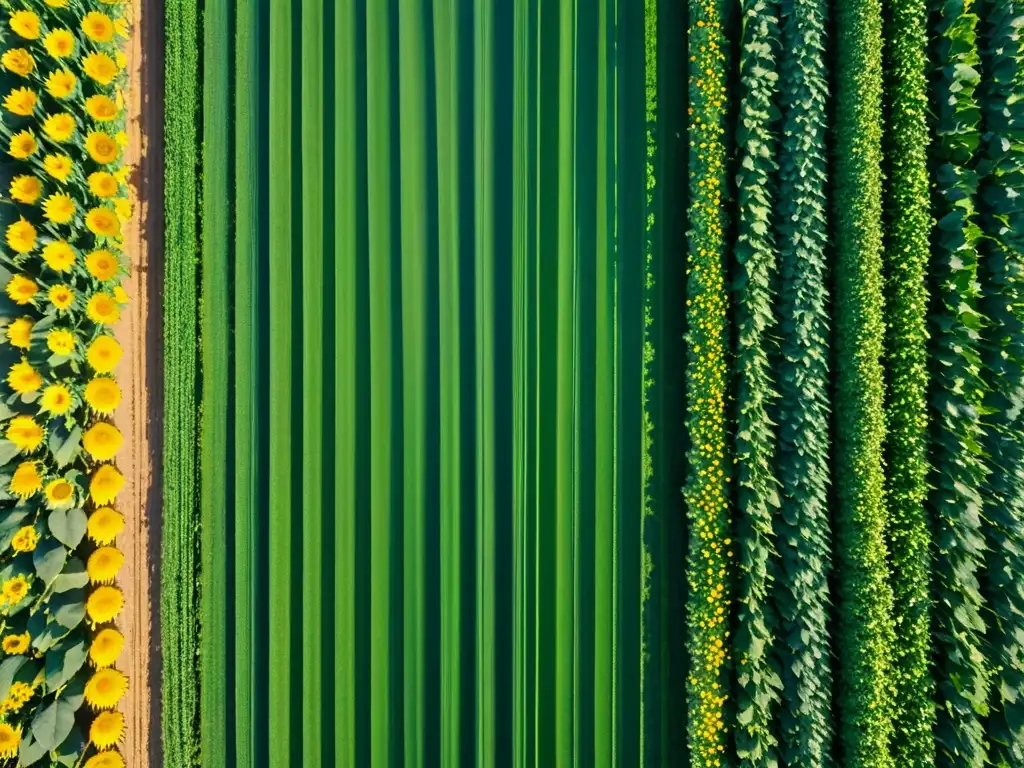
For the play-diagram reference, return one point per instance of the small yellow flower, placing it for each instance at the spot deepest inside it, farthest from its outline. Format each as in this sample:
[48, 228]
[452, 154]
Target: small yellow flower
[100, 67]
[19, 61]
[102, 264]
[103, 222]
[26, 189]
[25, 482]
[59, 255]
[25, 24]
[61, 83]
[120, 294]
[61, 341]
[59, 208]
[121, 59]
[10, 741]
[21, 289]
[121, 27]
[58, 166]
[21, 101]
[60, 127]
[101, 147]
[25, 540]
[23, 144]
[102, 309]
[24, 378]
[60, 43]
[25, 432]
[16, 644]
[123, 206]
[21, 236]
[121, 138]
[19, 332]
[57, 3]
[60, 494]
[56, 399]
[61, 296]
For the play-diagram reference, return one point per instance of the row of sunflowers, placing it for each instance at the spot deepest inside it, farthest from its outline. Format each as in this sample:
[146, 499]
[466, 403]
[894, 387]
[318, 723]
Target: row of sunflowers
[63, 120]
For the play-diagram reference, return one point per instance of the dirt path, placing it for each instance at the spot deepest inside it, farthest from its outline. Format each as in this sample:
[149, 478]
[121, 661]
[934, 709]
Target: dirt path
[139, 415]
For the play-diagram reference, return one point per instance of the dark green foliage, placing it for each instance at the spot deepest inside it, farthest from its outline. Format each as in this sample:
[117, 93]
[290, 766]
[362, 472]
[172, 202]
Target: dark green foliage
[864, 630]
[1002, 219]
[759, 683]
[907, 250]
[802, 524]
[957, 395]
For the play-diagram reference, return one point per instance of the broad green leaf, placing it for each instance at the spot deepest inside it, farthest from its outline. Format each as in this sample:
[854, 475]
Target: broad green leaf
[68, 525]
[53, 724]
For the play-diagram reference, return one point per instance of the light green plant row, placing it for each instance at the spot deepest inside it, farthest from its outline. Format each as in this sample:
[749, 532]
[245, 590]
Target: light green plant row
[907, 250]
[864, 631]
[1002, 219]
[709, 568]
[957, 394]
[759, 683]
[802, 526]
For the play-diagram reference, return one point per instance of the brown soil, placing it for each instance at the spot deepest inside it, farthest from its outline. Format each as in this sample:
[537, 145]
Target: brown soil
[139, 414]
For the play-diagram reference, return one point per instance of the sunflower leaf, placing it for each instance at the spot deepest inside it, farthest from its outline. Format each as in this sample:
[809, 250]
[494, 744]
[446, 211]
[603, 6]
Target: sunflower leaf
[9, 526]
[68, 608]
[69, 752]
[31, 751]
[68, 525]
[48, 559]
[63, 663]
[8, 669]
[64, 449]
[8, 451]
[73, 576]
[53, 724]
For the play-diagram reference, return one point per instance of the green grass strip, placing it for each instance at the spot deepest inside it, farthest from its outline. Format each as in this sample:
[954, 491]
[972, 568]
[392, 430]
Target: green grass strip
[864, 632]
[178, 596]
[907, 251]
[707, 491]
[1002, 273]
[957, 392]
[759, 683]
[803, 532]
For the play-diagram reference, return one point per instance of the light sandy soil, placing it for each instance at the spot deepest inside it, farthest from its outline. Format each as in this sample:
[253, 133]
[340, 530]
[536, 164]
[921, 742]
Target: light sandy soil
[139, 414]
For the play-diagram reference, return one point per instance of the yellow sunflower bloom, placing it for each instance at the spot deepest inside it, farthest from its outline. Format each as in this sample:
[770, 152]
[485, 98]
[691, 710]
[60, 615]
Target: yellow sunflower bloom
[19, 61]
[21, 236]
[103, 605]
[105, 759]
[100, 67]
[60, 43]
[59, 208]
[56, 399]
[101, 147]
[103, 395]
[23, 144]
[61, 296]
[103, 184]
[21, 289]
[10, 741]
[107, 729]
[98, 26]
[24, 378]
[25, 539]
[59, 255]
[104, 525]
[103, 222]
[16, 644]
[104, 564]
[21, 101]
[123, 206]
[106, 647]
[58, 166]
[102, 264]
[61, 341]
[19, 332]
[25, 433]
[106, 483]
[120, 294]
[26, 189]
[21, 692]
[60, 127]
[121, 27]
[25, 24]
[26, 481]
[59, 494]
[61, 83]
[104, 354]
[106, 687]
[14, 590]
[102, 441]
[57, 3]
[101, 108]
[102, 309]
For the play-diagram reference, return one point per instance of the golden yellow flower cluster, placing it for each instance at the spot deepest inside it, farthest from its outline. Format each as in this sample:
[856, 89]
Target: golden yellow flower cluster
[707, 496]
[63, 261]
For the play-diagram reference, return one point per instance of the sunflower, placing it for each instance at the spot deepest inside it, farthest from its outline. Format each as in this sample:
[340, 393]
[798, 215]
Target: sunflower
[100, 67]
[25, 540]
[104, 604]
[26, 480]
[60, 43]
[104, 524]
[103, 184]
[122, 174]
[61, 83]
[101, 108]
[101, 147]
[23, 144]
[102, 309]
[58, 166]
[57, 3]
[98, 26]
[20, 693]
[102, 395]
[24, 378]
[25, 433]
[58, 254]
[121, 59]
[120, 294]
[61, 296]
[10, 741]
[56, 399]
[19, 61]
[104, 564]
[103, 222]
[19, 332]
[61, 341]
[26, 189]
[25, 24]
[15, 645]
[102, 441]
[106, 647]
[59, 494]
[121, 27]
[21, 289]
[14, 590]
[21, 101]
[59, 127]
[59, 208]
[105, 760]
[106, 483]
[106, 687]
[21, 236]
[102, 264]
[104, 354]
